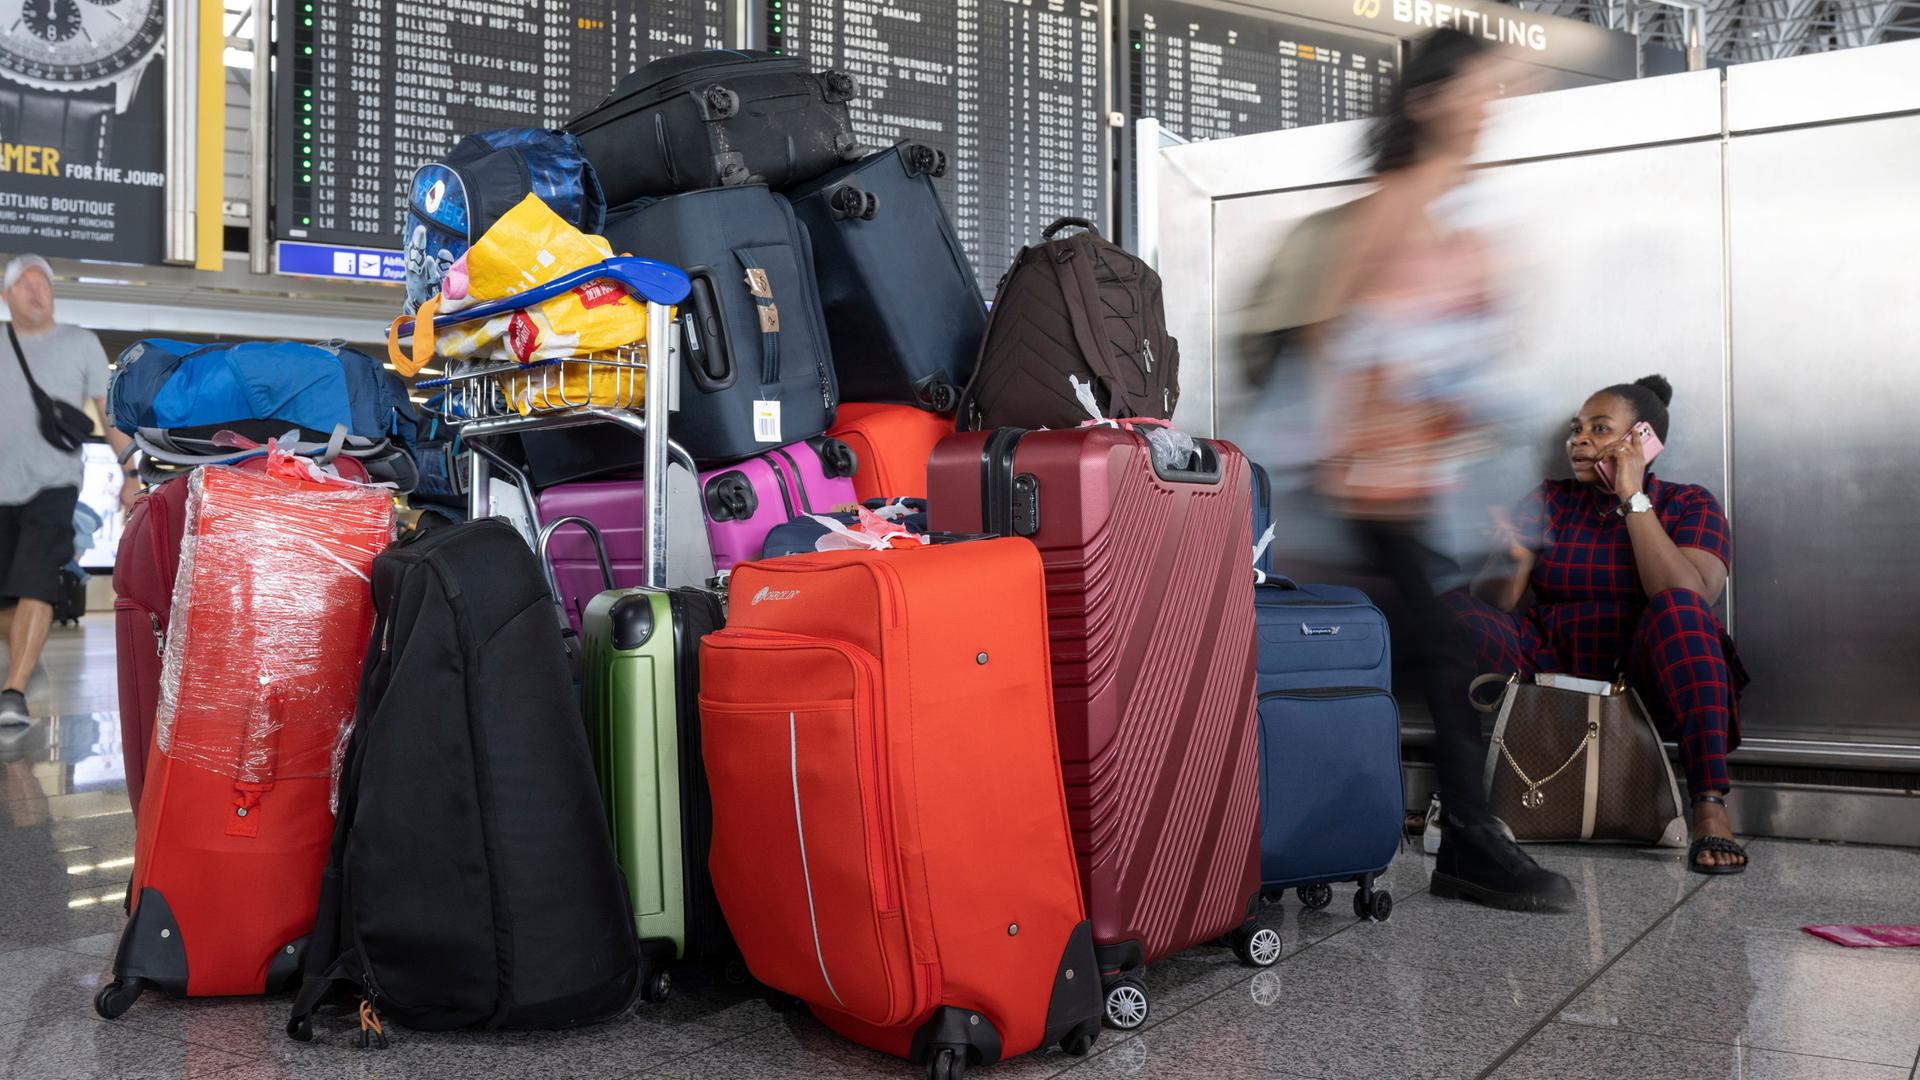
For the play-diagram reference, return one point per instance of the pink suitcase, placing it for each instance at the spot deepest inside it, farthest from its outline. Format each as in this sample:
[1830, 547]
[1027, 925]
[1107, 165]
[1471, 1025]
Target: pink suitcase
[617, 507]
[744, 501]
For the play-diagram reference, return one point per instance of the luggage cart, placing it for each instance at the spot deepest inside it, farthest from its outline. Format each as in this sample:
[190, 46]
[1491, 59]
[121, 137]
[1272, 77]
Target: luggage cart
[638, 388]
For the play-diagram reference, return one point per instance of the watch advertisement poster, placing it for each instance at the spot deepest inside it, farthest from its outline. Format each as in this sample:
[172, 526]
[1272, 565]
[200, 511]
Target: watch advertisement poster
[83, 129]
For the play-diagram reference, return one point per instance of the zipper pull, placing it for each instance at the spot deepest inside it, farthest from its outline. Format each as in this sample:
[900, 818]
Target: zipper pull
[159, 636]
[1146, 353]
[373, 1034]
[1166, 401]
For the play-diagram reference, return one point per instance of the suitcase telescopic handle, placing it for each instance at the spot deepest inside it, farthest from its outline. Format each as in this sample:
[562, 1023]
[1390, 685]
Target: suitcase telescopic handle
[546, 564]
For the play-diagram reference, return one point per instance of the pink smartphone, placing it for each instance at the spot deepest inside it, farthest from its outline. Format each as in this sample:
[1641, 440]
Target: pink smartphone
[1650, 445]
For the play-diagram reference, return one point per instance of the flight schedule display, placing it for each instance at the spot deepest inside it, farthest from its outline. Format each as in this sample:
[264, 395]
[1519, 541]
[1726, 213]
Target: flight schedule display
[1210, 73]
[1011, 90]
[369, 90]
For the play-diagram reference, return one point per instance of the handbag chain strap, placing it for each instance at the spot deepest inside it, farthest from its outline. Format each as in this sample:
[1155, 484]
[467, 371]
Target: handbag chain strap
[1533, 798]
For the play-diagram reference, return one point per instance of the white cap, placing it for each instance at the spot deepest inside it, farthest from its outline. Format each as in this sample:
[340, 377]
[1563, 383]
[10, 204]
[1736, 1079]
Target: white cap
[20, 264]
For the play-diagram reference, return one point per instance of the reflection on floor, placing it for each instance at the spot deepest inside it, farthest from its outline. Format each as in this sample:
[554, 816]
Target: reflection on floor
[1657, 974]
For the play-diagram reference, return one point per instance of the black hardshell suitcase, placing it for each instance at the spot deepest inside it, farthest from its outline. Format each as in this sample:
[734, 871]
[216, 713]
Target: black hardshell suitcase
[903, 307]
[719, 118]
[751, 330]
[472, 879]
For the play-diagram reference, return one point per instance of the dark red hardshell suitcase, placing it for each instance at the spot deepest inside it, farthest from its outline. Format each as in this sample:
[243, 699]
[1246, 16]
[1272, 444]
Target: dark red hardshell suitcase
[1151, 627]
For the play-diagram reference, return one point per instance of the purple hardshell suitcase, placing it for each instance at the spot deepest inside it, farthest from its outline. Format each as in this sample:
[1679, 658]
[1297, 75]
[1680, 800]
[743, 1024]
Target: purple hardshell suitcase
[746, 500]
[618, 508]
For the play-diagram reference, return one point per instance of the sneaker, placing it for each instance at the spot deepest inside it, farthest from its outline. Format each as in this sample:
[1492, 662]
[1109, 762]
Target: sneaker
[13, 707]
[1482, 863]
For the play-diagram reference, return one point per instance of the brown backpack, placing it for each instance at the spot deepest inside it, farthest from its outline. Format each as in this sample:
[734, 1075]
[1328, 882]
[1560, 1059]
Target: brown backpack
[1075, 306]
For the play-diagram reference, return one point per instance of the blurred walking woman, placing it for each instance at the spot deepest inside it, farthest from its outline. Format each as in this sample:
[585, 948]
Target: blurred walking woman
[1409, 360]
[1624, 576]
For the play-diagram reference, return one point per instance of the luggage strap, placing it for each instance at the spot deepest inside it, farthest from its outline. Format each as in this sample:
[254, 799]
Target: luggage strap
[760, 286]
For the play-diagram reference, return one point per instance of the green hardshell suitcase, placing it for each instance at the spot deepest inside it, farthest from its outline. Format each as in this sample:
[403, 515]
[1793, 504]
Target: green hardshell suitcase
[641, 683]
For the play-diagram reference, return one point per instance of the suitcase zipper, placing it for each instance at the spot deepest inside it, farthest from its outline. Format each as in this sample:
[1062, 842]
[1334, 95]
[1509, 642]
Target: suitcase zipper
[888, 895]
[159, 635]
[1322, 693]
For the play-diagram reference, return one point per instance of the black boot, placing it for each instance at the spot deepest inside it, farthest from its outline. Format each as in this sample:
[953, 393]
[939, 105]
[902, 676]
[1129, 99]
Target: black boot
[1479, 862]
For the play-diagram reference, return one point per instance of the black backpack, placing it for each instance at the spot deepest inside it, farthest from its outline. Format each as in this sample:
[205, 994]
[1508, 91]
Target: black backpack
[472, 879]
[1082, 307]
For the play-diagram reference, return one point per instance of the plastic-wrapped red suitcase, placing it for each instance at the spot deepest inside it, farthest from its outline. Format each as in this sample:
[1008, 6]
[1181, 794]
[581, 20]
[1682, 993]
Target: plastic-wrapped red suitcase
[258, 682]
[1151, 630]
[143, 573]
[890, 842]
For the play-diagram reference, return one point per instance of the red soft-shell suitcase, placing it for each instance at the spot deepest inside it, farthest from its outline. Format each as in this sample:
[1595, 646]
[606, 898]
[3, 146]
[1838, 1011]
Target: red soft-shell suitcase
[258, 682]
[1151, 628]
[892, 444]
[143, 572]
[890, 840]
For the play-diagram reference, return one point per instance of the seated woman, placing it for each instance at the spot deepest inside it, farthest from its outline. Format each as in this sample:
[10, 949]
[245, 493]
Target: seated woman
[1625, 580]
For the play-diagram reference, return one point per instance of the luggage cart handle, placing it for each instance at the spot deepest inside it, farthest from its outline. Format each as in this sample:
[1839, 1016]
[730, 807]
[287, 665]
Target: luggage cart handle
[648, 279]
[553, 577]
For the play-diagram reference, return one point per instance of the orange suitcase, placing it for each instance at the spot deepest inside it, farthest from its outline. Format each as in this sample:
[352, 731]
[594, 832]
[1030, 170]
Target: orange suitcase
[892, 444]
[890, 837]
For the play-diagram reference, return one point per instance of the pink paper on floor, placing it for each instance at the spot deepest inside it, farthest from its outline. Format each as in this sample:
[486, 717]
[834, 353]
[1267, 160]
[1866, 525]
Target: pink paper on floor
[1869, 937]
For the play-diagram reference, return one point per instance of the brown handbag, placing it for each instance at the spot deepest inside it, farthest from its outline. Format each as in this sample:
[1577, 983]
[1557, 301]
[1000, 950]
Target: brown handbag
[1567, 765]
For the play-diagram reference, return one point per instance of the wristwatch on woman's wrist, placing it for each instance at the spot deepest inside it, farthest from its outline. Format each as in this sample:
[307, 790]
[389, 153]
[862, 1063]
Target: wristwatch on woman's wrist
[1637, 503]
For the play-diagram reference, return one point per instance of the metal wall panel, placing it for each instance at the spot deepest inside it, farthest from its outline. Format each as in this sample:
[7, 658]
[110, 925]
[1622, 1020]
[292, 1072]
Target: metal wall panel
[1614, 268]
[1820, 87]
[1826, 332]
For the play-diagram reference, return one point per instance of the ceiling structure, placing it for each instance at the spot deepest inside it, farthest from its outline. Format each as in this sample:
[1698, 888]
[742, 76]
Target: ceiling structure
[1737, 31]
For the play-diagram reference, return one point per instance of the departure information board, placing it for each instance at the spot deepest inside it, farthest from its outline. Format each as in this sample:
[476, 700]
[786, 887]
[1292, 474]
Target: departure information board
[1012, 90]
[369, 90]
[1211, 73]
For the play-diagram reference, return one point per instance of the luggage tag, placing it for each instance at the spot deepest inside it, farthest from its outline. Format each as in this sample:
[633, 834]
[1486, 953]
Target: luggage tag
[766, 409]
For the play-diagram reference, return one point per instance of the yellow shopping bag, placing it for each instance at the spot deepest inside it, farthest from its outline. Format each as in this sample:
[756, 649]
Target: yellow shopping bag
[529, 246]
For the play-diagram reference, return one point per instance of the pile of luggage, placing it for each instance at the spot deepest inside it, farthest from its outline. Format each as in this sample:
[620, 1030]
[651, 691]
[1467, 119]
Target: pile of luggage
[994, 702]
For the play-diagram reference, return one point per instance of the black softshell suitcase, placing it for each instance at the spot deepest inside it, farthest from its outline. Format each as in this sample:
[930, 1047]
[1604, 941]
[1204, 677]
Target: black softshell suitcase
[472, 879]
[756, 371]
[903, 308]
[719, 118]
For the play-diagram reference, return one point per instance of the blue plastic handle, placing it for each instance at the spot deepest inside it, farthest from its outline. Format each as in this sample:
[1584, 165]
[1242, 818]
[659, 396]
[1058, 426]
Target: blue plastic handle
[647, 279]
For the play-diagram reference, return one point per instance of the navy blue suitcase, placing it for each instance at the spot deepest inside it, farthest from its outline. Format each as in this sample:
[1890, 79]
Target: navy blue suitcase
[903, 308]
[1262, 518]
[1331, 795]
[751, 330]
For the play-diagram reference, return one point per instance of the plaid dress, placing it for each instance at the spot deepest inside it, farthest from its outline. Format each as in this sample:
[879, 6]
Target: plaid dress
[1591, 618]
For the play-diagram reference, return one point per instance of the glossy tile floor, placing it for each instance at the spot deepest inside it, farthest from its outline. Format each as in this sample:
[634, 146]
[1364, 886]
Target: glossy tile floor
[1657, 974]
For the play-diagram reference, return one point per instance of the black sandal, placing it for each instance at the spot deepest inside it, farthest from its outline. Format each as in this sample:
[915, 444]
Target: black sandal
[1717, 845]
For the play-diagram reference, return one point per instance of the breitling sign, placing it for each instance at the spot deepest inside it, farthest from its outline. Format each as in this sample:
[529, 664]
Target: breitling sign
[1546, 40]
[83, 128]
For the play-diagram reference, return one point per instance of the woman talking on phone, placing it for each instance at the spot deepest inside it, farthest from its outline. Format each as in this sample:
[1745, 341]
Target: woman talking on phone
[1625, 570]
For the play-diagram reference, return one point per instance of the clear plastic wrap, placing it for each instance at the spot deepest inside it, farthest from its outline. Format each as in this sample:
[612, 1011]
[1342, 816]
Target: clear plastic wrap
[272, 609]
[1173, 450]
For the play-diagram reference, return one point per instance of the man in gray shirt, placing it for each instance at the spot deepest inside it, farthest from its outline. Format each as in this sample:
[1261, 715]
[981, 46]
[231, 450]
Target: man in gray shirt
[39, 484]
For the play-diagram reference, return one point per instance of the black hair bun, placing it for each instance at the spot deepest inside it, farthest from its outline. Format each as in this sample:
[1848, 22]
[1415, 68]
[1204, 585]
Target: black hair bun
[1660, 387]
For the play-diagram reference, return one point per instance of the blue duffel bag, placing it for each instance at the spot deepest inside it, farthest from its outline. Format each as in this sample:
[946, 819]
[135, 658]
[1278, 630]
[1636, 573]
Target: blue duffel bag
[171, 385]
[1332, 802]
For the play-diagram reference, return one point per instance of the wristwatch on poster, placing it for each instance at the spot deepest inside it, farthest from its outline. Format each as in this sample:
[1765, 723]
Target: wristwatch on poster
[68, 67]
[1637, 503]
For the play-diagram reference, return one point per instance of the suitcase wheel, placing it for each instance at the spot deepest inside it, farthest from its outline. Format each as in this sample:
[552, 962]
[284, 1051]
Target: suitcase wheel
[848, 201]
[947, 1063]
[1256, 946]
[1079, 1041]
[1315, 897]
[117, 997]
[722, 103]
[1126, 1005]
[1375, 904]
[841, 86]
[922, 158]
[658, 987]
